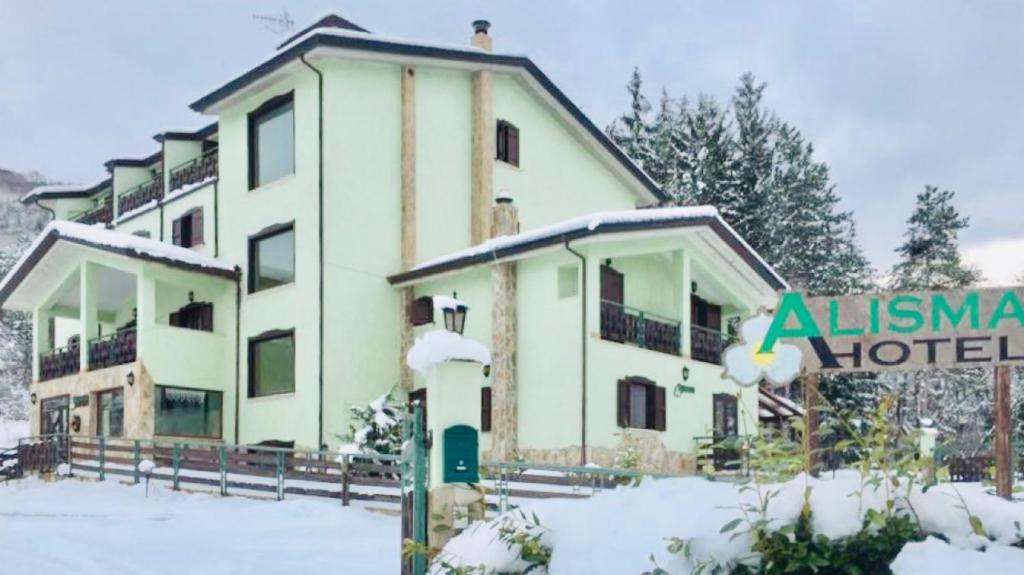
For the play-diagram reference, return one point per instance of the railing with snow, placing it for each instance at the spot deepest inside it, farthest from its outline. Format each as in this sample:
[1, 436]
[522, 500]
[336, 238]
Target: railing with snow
[194, 170]
[101, 214]
[140, 195]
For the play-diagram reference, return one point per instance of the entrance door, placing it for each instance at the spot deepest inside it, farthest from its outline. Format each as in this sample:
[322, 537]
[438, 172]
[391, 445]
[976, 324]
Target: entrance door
[612, 285]
[54, 415]
[726, 422]
[110, 413]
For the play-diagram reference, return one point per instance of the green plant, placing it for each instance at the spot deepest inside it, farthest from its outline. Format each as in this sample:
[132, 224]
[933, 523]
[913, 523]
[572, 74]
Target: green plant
[527, 534]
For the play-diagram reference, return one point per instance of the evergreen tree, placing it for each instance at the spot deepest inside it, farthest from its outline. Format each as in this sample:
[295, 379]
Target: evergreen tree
[752, 212]
[706, 152]
[632, 131]
[664, 164]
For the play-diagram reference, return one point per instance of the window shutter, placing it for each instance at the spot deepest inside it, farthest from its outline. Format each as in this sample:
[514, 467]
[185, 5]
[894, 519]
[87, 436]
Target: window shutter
[623, 403]
[197, 227]
[659, 407]
[206, 317]
[422, 311]
[485, 409]
[501, 135]
[513, 145]
[176, 232]
[175, 319]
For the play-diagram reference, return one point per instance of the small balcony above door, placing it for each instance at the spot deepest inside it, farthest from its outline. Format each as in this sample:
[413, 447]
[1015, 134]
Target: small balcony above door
[632, 325]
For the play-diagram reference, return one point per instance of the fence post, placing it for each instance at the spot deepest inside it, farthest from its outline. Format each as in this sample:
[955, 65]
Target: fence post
[280, 475]
[103, 458]
[345, 480]
[223, 470]
[175, 464]
[135, 459]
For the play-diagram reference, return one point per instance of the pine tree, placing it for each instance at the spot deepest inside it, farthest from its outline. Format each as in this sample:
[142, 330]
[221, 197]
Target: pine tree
[706, 159]
[958, 400]
[632, 131]
[754, 166]
[664, 164]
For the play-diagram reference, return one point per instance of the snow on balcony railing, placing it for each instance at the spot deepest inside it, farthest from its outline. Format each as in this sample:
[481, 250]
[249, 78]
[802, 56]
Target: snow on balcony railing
[194, 170]
[140, 195]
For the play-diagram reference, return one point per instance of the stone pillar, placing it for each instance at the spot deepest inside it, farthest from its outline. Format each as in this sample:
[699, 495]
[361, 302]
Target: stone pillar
[87, 309]
[504, 393]
[408, 216]
[483, 143]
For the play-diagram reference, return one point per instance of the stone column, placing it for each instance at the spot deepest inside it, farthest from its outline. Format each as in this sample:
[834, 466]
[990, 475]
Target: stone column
[483, 143]
[408, 215]
[504, 393]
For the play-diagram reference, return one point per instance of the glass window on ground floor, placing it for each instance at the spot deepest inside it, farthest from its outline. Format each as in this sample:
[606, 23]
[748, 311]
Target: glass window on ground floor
[110, 413]
[272, 363]
[188, 412]
[53, 414]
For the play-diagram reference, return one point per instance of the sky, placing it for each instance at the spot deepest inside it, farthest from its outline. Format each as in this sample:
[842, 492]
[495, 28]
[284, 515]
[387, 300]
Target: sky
[894, 95]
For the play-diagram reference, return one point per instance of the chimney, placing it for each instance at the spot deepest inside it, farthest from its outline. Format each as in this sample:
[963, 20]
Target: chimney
[480, 37]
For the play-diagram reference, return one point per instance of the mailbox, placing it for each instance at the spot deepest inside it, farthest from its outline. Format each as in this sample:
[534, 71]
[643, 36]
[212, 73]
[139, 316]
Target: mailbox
[461, 455]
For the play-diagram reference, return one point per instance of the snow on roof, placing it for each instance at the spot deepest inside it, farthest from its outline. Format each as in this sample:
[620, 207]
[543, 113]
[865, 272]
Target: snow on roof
[441, 345]
[587, 222]
[57, 190]
[99, 236]
[443, 302]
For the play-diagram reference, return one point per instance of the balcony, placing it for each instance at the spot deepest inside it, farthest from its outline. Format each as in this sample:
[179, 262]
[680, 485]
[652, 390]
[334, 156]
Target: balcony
[194, 171]
[140, 195]
[114, 349]
[707, 344]
[625, 324]
[101, 214]
[59, 362]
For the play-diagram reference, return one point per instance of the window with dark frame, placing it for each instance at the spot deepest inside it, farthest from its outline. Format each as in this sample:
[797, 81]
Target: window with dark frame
[272, 363]
[421, 312]
[507, 145]
[272, 141]
[184, 412]
[272, 258]
[641, 404]
[485, 409]
[187, 231]
[195, 315]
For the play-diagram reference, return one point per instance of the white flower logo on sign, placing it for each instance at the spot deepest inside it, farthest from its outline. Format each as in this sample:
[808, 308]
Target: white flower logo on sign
[746, 365]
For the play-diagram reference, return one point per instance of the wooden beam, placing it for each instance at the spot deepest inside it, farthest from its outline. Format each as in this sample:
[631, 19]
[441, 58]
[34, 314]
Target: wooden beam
[1004, 457]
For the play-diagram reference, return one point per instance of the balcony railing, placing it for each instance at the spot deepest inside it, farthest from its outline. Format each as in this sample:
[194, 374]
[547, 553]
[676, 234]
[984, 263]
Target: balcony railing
[707, 344]
[103, 213]
[114, 349]
[59, 362]
[629, 325]
[140, 195]
[195, 170]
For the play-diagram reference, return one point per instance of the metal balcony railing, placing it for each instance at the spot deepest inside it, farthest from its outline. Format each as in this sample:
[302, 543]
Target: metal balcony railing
[59, 362]
[707, 344]
[140, 195]
[194, 170]
[101, 214]
[114, 349]
[625, 324]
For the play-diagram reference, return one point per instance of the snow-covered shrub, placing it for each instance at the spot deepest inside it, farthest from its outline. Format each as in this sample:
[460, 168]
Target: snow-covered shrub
[375, 428]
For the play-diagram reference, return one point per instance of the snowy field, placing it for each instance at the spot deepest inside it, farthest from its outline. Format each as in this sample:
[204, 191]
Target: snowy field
[88, 528]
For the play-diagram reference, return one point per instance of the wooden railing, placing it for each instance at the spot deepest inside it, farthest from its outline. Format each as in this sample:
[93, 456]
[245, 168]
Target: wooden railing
[59, 362]
[707, 344]
[194, 170]
[114, 349]
[140, 195]
[625, 324]
[101, 214]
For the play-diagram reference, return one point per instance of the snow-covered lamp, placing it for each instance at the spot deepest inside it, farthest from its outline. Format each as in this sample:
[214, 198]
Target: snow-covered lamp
[455, 317]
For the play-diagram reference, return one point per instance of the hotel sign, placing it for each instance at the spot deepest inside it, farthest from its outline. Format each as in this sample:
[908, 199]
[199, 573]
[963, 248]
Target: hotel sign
[900, 331]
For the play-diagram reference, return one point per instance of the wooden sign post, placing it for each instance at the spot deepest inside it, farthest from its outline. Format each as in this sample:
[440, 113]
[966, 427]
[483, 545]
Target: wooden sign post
[1003, 450]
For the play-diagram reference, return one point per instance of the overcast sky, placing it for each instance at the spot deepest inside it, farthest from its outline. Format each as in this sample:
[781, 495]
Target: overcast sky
[893, 94]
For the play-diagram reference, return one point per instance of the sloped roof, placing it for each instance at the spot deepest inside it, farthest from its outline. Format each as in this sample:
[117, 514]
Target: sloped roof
[114, 242]
[590, 225]
[63, 191]
[355, 40]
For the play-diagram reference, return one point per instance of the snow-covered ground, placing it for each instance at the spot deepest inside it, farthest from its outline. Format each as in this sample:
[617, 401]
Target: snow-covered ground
[616, 531]
[86, 528]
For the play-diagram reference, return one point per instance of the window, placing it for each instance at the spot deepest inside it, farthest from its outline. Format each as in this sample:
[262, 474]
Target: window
[272, 363]
[187, 412]
[141, 233]
[195, 315]
[110, 413]
[485, 409]
[272, 258]
[422, 311]
[641, 404]
[725, 415]
[271, 141]
[508, 143]
[187, 231]
[53, 414]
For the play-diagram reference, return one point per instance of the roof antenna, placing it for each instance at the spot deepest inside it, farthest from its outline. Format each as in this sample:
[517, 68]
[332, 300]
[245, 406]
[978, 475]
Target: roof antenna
[279, 25]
